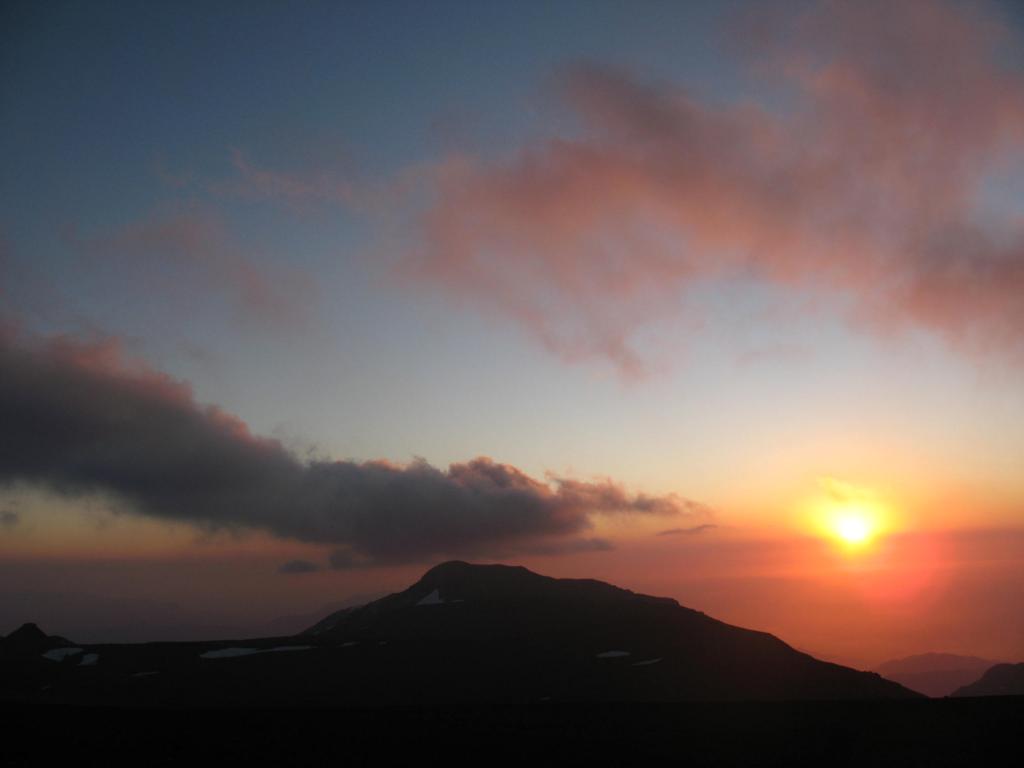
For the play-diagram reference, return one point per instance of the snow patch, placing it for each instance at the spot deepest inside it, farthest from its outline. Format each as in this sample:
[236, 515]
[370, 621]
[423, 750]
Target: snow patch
[612, 654]
[434, 598]
[290, 648]
[59, 654]
[646, 663]
[89, 660]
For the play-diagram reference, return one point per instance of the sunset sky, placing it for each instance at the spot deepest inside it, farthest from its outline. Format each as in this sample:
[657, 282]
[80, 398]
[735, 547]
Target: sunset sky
[722, 301]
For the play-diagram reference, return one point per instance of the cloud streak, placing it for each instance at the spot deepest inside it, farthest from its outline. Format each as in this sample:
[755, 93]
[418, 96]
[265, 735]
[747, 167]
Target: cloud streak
[862, 180]
[79, 419]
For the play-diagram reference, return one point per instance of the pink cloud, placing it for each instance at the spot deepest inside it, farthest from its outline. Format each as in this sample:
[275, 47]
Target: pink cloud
[863, 186]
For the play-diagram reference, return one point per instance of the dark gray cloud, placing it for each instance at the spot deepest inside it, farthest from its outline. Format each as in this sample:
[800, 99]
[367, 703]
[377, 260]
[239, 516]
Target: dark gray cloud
[9, 519]
[298, 566]
[77, 419]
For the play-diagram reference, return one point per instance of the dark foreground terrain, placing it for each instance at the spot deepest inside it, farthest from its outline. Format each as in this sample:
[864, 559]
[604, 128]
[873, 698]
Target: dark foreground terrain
[966, 732]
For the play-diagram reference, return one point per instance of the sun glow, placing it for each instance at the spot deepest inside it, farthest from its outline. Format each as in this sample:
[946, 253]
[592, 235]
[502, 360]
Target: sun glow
[853, 527]
[850, 515]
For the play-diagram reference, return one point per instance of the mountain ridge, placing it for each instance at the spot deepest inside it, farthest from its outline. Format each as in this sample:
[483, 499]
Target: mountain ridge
[466, 632]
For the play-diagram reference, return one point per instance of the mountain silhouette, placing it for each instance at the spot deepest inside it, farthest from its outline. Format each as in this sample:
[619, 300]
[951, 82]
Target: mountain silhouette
[935, 674]
[1000, 680]
[473, 630]
[468, 633]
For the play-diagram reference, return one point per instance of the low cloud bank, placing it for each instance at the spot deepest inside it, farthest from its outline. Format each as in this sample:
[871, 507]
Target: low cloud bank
[78, 419]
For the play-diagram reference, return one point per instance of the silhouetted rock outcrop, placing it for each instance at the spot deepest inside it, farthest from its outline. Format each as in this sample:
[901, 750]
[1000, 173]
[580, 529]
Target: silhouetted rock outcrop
[1000, 680]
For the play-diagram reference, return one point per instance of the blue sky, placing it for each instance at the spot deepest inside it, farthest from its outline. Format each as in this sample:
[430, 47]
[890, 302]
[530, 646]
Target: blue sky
[135, 138]
[118, 114]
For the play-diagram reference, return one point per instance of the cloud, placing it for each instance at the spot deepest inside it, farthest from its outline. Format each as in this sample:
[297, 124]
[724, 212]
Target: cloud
[79, 419]
[861, 177]
[691, 531]
[9, 519]
[293, 567]
[200, 248]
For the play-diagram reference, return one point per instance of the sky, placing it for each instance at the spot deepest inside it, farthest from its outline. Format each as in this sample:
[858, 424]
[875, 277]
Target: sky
[722, 301]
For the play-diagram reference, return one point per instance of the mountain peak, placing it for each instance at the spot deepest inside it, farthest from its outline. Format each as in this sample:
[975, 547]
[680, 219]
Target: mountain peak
[455, 571]
[457, 580]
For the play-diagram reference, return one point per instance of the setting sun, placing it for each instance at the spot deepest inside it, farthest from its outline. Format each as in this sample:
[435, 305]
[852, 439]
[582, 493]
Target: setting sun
[851, 515]
[854, 523]
[853, 528]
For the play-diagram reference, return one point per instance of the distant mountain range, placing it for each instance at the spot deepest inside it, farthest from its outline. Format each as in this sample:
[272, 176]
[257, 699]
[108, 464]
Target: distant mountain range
[461, 633]
[935, 674]
[1000, 680]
